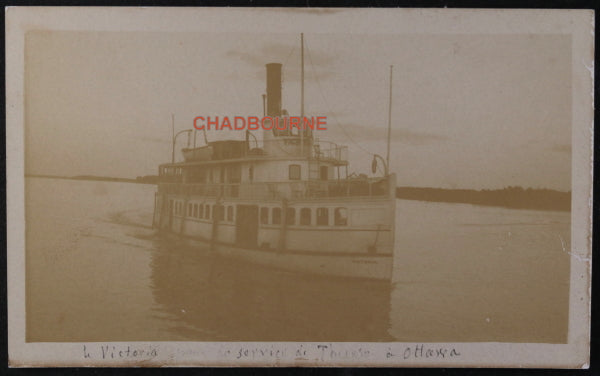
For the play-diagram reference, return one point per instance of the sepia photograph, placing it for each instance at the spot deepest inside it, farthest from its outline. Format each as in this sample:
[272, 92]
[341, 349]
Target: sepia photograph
[305, 187]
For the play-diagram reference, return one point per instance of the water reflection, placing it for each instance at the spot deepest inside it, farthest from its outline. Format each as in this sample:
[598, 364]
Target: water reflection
[210, 298]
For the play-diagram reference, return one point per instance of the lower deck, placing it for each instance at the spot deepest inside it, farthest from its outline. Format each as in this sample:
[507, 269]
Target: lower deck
[340, 227]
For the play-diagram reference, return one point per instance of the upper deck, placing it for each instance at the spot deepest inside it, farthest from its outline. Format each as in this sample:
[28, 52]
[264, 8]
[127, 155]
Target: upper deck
[282, 147]
[360, 187]
[296, 167]
[288, 161]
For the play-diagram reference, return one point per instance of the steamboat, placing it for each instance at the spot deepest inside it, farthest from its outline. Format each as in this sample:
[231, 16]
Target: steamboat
[283, 200]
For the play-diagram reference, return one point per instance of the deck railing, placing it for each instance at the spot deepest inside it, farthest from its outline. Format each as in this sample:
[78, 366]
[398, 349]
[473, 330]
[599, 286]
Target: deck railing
[289, 146]
[310, 189]
[312, 148]
[326, 150]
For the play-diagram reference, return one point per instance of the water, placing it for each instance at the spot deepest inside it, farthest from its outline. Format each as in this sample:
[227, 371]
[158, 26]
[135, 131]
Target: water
[96, 271]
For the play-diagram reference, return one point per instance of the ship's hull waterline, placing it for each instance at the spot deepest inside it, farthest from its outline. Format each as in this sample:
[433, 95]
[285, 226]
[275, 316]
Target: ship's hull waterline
[372, 267]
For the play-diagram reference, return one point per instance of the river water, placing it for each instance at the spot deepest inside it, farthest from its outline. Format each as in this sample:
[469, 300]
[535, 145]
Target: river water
[96, 271]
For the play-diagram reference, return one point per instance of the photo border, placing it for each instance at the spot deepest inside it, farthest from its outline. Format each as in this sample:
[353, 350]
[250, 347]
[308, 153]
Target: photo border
[578, 23]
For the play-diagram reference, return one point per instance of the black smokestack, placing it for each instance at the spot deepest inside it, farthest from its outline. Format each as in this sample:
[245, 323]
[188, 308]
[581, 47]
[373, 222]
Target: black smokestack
[274, 89]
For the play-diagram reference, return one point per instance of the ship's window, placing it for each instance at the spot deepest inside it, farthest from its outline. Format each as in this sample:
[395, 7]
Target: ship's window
[305, 216]
[290, 216]
[276, 216]
[196, 175]
[195, 210]
[189, 210]
[324, 173]
[234, 174]
[264, 216]
[200, 211]
[295, 172]
[251, 173]
[322, 216]
[340, 217]
[230, 213]
[207, 213]
[220, 212]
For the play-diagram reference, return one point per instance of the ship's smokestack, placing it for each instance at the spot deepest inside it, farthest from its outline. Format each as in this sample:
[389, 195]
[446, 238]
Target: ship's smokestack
[274, 89]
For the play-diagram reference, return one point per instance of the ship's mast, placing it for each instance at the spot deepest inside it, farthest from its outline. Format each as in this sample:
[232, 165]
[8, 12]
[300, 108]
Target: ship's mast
[173, 137]
[389, 133]
[302, 75]
[302, 93]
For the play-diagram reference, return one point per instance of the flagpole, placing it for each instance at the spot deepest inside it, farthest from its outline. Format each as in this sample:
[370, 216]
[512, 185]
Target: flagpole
[389, 133]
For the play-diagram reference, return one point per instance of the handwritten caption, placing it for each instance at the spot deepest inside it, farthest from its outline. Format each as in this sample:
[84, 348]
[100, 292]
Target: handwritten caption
[120, 352]
[329, 352]
[280, 353]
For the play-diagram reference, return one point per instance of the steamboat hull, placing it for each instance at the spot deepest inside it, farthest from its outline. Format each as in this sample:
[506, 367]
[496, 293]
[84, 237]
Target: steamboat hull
[359, 245]
[371, 267]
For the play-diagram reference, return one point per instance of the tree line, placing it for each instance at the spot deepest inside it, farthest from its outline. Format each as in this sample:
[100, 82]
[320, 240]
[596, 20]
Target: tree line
[514, 197]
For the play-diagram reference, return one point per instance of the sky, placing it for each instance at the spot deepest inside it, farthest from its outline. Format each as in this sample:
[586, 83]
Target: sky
[468, 111]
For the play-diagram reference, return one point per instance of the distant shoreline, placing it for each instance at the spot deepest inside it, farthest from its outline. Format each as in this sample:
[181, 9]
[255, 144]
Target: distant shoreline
[510, 197]
[93, 178]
